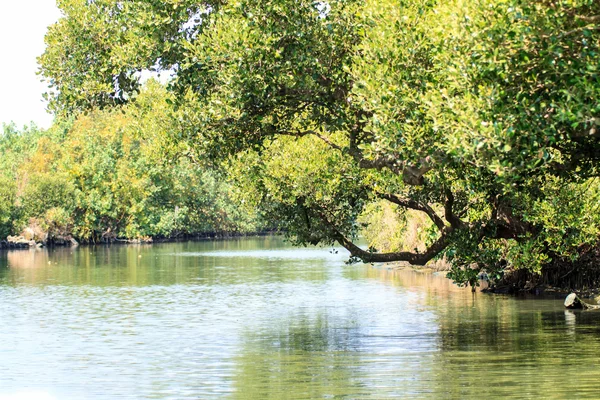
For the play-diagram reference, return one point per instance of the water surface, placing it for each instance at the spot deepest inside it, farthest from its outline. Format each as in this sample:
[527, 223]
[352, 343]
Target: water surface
[257, 319]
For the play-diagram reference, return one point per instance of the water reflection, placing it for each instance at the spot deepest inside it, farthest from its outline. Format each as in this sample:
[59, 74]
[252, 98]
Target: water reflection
[167, 264]
[254, 318]
[274, 363]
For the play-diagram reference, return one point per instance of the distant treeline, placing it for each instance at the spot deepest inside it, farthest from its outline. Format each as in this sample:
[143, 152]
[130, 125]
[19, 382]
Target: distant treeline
[112, 175]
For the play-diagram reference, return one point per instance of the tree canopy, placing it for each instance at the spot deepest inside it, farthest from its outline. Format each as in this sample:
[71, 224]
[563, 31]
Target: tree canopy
[482, 115]
[112, 175]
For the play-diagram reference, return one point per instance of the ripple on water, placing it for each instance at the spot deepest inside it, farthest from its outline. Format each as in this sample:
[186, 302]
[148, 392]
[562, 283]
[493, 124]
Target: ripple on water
[245, 321]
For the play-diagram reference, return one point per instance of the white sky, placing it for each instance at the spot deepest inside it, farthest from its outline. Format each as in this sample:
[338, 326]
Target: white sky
[23, 25]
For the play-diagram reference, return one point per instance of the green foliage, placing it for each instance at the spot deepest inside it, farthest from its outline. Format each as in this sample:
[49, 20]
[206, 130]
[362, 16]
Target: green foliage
[388, 227]
[96, 52]
[303, 186]
[44, 191]
[57, 222]
[15, 145]
[7, 205]
[115, 175]
[483, 115]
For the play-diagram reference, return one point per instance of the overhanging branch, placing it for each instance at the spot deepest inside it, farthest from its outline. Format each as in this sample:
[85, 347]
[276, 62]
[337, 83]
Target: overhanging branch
[413, 258]
[416, 258]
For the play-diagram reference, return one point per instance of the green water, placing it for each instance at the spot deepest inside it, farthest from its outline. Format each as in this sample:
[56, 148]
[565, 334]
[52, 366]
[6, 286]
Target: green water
[257, 319]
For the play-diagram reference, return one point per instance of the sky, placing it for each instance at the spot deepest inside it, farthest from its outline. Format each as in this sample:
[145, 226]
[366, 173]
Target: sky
[23, 25]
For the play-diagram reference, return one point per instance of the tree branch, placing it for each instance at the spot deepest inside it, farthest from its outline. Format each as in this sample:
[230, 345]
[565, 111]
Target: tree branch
[415, 205]
[378, 163]
[300, 134]
[454, 221]
[416, 258]
[411, 175]
[413, 258]
[591, 18]
[581, 29]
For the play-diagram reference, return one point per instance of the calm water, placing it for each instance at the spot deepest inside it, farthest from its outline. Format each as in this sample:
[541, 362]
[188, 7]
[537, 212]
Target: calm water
[256, 319]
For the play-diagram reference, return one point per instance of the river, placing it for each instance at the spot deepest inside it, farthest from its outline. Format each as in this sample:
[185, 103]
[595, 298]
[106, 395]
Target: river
[257, 319]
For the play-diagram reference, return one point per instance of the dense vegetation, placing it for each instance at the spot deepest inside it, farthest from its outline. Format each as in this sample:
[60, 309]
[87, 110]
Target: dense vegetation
[482, 115]
[111, 175]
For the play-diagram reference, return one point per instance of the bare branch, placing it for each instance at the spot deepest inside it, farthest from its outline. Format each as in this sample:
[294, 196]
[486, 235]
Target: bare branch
[411, 175]
[325, 139]
[328, 142]
[415, 205]
[413, 258]
[416, 258]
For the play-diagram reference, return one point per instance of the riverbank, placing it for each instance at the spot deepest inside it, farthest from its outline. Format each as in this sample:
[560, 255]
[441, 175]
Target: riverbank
[520, 284]
[23, 243]
[558, 278]
[562, 275]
